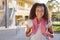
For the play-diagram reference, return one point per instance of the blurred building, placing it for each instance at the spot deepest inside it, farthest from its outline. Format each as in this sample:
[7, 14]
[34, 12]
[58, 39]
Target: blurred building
[17, 11]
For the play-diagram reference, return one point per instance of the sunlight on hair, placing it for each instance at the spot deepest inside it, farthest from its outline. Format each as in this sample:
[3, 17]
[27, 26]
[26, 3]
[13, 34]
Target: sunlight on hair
[41, 1]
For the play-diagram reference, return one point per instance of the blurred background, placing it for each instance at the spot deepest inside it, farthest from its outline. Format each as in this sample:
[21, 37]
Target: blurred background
[14, 14]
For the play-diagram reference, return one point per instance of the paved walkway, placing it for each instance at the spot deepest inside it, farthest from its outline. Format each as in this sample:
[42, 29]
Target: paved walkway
[56, 37]
[19, 34]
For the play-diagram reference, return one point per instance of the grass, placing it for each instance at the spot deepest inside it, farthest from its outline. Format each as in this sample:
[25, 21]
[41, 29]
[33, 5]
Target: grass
[56, 27]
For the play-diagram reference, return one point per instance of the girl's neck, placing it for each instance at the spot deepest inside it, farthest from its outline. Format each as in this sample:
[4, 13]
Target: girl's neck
[39, 20]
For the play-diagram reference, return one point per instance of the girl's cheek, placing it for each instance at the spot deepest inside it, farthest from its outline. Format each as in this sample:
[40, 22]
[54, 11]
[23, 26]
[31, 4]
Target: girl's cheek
[39, 14]
[42, 14]
[36, 14]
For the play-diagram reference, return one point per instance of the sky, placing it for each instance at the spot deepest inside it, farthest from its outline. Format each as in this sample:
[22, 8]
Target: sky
[42, 1]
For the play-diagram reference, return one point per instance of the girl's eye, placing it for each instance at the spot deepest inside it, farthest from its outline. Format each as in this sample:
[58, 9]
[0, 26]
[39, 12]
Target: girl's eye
[40, 11]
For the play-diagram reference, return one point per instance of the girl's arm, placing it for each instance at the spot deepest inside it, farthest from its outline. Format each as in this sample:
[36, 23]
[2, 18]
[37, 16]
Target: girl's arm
[29, 28]
[29, 31]
[50, 32]
[50, 29]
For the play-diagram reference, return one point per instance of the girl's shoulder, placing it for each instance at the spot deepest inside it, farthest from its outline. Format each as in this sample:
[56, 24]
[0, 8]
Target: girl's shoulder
[49, 24]
[30, 22]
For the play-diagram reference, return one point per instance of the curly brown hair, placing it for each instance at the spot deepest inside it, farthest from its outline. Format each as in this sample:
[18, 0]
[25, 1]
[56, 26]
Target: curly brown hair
[33, 9]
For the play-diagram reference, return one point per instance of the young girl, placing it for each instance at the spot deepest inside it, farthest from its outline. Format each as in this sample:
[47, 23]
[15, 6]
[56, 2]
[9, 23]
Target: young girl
[39, 23]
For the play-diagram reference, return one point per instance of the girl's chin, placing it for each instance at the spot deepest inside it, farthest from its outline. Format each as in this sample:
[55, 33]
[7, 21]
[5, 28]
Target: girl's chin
[39, 17]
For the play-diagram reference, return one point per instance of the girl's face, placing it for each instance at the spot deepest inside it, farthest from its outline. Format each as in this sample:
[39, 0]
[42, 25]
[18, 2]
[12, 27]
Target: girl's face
[39, 12]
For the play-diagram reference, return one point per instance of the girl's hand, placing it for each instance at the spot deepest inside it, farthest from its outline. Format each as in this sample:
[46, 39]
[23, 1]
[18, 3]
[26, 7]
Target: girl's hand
[49, 34]
[28, 32]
